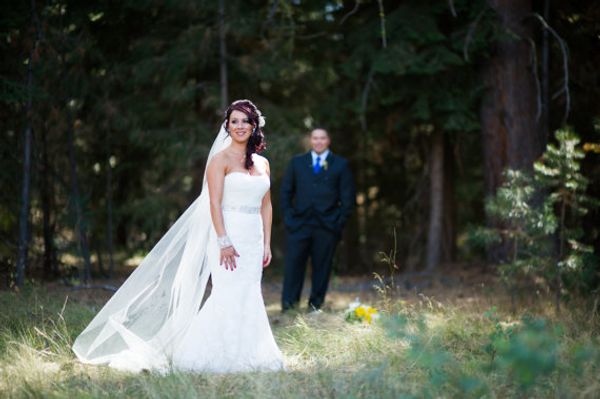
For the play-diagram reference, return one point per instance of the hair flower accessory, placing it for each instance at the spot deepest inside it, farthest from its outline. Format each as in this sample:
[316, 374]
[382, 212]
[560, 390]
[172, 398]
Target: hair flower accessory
[261, 118]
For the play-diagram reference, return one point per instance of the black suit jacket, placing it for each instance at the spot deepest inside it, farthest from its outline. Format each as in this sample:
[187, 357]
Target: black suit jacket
[326, 199]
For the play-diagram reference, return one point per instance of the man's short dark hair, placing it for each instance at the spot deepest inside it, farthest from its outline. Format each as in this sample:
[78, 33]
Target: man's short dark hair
[319, 128]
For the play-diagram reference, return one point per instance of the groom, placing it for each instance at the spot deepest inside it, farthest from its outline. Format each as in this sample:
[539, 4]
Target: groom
[317, 197]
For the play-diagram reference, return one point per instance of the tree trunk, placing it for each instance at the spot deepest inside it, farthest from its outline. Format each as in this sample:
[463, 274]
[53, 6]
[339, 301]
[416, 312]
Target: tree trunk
[223, 56]
[362, 217]
[101, 271]
[109, 211]
[50, 264]
[80, 224]
[362, 209]
[510, 135]
[23, 246]
[545, 80]
[436, 203]
[449, 213]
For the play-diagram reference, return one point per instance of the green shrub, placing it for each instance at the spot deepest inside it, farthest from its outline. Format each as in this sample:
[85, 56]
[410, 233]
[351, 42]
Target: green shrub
[540, 218]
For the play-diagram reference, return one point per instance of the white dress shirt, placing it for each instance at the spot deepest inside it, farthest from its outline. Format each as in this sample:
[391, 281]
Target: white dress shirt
[322, 156]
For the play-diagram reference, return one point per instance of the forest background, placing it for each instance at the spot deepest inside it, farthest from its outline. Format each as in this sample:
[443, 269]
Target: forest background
[108, 110]
[473, 132]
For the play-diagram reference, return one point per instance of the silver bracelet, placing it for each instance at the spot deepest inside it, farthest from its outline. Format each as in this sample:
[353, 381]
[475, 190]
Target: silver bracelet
[224, 242]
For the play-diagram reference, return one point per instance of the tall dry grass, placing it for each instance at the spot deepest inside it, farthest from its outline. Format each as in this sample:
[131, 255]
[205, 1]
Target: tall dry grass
[419, 348]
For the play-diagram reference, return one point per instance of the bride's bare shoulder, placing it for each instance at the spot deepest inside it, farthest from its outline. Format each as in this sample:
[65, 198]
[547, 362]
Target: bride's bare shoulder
[261, 163]
[218, 161]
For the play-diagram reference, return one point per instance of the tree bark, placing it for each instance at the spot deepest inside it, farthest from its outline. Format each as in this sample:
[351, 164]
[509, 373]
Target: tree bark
[449, 212]
[109, 211]
[101, 271]
[510, 135]
[23, 246]
[80, 224]
[436, 203]
[223, 56]
[362, 208]
[50, 263]
[545, 79]
[362, 205]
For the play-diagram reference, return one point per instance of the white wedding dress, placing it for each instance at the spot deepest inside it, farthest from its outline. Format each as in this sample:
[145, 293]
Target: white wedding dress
[231, 332]
[154, 321]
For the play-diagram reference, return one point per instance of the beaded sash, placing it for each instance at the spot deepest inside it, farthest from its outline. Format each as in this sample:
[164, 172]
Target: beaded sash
[241, 208]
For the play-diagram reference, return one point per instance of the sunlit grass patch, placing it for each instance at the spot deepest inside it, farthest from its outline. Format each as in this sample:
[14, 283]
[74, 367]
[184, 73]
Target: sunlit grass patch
[329, 341]
[419, 347]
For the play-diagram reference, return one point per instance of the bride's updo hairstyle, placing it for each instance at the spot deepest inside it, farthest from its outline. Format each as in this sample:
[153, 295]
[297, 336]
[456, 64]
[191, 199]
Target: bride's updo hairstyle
[256, 143]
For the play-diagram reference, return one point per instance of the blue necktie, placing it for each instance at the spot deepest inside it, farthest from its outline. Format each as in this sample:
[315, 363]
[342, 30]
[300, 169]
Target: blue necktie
[317, 166]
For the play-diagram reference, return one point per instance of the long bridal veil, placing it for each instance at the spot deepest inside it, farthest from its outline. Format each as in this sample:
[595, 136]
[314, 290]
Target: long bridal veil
[140, 325]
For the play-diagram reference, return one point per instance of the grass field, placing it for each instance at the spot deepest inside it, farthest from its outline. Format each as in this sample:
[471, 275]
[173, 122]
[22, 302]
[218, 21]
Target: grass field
[443, 342]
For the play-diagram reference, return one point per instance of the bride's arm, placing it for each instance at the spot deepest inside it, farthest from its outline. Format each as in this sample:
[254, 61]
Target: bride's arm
[266, 212]
[215, 175]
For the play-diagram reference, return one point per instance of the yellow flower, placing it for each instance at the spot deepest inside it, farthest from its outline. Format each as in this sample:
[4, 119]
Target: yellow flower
[360, 311]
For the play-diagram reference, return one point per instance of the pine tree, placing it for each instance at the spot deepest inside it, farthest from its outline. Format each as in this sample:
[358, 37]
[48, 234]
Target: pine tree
[528, 229]
[559, 173]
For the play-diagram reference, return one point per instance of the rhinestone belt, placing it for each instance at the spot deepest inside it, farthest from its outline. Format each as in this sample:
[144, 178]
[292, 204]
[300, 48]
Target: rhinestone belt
[241, 208]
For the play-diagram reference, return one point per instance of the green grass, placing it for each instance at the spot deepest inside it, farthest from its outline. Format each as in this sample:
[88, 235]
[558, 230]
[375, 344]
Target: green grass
[420, 348]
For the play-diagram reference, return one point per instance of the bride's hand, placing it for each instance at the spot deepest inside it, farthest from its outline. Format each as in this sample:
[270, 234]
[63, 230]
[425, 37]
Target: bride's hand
[228, 257]
[267, 256]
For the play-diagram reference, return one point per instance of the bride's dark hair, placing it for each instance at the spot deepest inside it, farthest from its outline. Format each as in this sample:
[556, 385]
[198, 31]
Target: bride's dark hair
[256, 143]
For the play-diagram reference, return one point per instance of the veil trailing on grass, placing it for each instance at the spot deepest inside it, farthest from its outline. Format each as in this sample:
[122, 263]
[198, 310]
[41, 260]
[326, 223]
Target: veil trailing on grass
[140, 325]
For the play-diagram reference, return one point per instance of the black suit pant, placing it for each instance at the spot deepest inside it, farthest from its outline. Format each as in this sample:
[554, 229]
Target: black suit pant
[319, 244]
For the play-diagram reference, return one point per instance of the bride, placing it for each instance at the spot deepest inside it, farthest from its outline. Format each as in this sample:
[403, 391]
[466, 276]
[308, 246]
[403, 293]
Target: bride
[154, 321]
